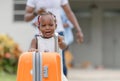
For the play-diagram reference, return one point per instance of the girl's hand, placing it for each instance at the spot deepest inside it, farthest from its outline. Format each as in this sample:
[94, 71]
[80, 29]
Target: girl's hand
[32, 50]
[60, 40]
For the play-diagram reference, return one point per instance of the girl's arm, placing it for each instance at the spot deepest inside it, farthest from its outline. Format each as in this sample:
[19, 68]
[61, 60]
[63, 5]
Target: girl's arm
[33, 45]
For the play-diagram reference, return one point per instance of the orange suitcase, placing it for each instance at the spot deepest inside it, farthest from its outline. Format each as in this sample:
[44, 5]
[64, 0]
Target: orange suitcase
[35, 66]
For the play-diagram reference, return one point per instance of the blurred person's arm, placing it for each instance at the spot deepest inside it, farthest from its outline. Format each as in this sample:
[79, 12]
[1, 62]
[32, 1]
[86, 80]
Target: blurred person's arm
[74, 21]
[29, 13]
[65, 20]
[68, 24]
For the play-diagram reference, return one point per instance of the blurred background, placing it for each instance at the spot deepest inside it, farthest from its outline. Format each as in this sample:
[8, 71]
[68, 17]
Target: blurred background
[97, 58]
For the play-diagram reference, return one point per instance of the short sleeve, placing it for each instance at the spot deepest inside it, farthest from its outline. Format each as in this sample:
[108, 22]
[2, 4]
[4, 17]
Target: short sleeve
[63, 2]
[30, 3]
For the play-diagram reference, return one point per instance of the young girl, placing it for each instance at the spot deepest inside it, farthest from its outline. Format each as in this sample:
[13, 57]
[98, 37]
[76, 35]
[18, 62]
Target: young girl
[45, 42]
[46, 25]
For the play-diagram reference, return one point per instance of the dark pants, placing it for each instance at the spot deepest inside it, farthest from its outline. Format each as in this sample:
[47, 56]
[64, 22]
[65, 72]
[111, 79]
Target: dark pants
[63, 56]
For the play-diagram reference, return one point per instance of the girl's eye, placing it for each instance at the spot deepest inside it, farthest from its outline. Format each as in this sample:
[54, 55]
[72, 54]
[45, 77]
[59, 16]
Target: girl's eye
[43, 25]
[51, 24]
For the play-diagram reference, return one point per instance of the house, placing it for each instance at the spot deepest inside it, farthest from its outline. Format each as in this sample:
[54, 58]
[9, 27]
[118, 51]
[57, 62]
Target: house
[99, 19]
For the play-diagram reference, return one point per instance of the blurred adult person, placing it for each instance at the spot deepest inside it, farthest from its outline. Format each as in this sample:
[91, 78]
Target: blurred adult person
[68, 26]
[68, 37]
[33, 8]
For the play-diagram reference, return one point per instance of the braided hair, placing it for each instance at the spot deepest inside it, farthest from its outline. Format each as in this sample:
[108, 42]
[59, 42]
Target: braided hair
[45, 13]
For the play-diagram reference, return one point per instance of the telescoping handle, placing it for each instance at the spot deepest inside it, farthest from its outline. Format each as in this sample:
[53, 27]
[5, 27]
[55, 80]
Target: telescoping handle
[37, 68]
[36, 41]
[56, 43]
[37, 61]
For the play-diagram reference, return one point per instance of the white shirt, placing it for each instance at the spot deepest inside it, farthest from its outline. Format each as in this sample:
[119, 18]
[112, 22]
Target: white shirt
[52, 6]
[46, 45]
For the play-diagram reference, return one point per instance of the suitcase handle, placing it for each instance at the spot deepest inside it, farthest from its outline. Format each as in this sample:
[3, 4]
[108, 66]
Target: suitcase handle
[56, 43]
[36, 41]
[37, 68]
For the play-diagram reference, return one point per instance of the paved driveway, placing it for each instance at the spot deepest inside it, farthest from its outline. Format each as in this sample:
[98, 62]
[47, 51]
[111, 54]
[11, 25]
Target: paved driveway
[93, 75]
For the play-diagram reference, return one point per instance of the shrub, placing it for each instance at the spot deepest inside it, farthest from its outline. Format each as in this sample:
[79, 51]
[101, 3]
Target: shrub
[9, 54]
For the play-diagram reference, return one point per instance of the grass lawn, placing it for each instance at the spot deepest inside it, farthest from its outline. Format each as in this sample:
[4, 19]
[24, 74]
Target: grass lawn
[7, 77]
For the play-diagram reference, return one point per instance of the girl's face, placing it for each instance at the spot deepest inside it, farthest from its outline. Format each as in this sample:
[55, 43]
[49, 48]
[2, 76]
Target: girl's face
[47, 25]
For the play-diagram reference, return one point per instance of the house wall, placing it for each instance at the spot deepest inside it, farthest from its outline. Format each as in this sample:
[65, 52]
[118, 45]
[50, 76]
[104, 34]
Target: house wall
[21, 32]
[90, 51]
[96, 51]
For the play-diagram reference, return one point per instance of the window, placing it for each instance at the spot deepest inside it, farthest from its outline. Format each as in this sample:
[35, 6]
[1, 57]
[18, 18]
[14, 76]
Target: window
[112, 13]
[19, 10]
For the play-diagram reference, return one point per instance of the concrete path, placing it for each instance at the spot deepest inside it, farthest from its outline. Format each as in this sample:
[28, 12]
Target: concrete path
[93, 75]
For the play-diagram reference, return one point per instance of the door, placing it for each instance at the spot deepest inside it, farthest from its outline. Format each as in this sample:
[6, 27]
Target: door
[79, 50]
[111, 40]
